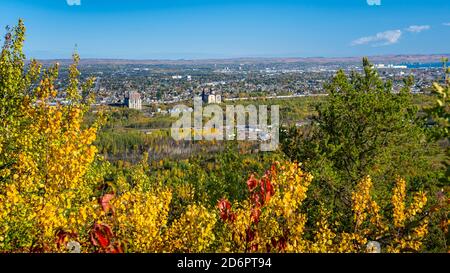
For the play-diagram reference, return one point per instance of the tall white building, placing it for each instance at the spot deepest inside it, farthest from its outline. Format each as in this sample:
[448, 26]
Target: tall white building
[212, 97]
[133, 101]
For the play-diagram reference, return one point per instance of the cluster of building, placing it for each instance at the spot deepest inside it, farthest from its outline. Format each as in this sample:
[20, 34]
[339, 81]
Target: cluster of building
[168, 84]
[383, 66]
[133, 99]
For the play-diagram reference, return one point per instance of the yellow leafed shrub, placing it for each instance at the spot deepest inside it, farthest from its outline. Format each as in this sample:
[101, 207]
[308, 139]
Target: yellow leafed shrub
[271, 220]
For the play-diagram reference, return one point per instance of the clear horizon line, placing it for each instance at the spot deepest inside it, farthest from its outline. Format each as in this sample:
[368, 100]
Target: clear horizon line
[246, 57]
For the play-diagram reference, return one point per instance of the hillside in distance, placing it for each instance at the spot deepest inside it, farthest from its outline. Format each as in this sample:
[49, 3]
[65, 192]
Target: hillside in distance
[319, 60]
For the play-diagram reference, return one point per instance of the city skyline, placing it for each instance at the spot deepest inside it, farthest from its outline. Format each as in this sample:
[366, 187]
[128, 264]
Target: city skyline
[213, 29]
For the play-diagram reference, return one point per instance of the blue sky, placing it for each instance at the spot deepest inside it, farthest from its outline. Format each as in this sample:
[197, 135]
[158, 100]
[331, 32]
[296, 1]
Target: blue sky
[195, 29]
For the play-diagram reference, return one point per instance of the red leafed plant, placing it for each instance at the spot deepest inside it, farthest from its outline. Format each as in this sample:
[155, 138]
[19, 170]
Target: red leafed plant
[252, 182]
[225, 211]
[62, 237]
[261, 191]
[102, 237]
[105, 202]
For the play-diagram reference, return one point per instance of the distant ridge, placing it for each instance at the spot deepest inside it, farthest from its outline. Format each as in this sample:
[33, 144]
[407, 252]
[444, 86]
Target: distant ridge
[320, 60]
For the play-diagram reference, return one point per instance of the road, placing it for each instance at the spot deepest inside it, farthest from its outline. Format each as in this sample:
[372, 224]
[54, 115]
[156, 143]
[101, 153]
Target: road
[274, 97]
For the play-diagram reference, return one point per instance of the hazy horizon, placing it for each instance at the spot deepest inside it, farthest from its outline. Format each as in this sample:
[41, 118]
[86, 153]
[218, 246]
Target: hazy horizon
[218, 29]
[434, 56]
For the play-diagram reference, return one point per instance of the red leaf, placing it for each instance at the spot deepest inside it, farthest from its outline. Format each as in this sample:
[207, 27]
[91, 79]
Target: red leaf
[250, 235]
[104, 242]
[225, 210]
[104, 201]
[256, 212]
[282, 244]
[269, 191]
[256, 199]
[61, 237]
[252, 182]
[101, 235]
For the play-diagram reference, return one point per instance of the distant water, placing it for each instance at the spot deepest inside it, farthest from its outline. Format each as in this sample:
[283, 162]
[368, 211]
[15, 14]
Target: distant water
[423, 65]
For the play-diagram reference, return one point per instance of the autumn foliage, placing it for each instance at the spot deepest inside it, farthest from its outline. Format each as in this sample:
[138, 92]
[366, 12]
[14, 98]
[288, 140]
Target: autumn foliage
[56, 194]
[276, 223]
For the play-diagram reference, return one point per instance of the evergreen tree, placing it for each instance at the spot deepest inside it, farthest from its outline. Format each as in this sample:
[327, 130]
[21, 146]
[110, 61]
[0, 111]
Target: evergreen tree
[364, 128]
